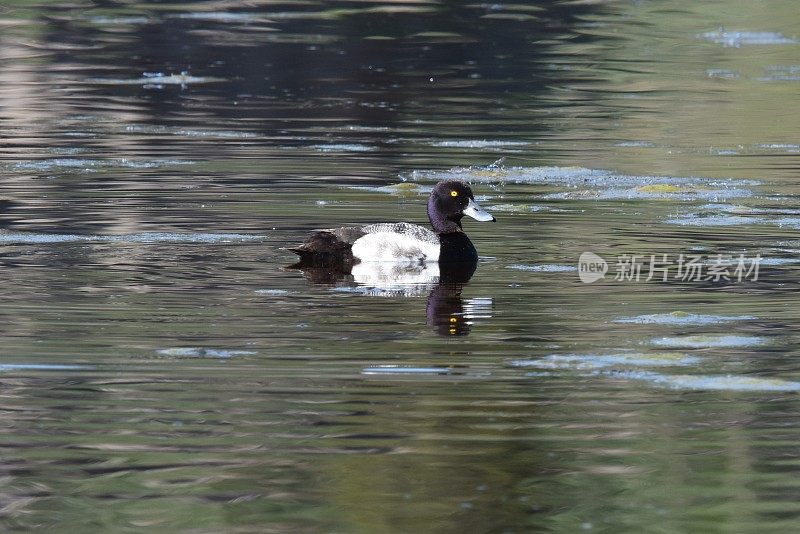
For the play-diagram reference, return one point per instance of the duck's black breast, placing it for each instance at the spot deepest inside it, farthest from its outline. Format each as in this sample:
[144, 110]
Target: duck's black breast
[457, 248]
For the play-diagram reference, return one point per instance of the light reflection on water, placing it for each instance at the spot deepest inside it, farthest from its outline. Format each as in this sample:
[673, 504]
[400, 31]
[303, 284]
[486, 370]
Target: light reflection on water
[163, 368]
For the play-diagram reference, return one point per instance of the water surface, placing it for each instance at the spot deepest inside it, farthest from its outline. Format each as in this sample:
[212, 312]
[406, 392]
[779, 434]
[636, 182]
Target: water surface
[163, 370]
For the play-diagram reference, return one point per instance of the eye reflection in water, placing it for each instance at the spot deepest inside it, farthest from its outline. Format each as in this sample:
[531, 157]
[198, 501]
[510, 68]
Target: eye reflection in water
[447, 312]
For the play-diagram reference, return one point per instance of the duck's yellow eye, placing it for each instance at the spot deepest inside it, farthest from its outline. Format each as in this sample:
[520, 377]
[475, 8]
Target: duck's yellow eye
[453, 193]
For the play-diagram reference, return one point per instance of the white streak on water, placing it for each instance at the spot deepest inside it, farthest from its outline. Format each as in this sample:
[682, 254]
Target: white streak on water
[600, 361]
[154, 79]
[709, 341]
[272, 292]
[84, 163]
[344, 147]
[687, 319]
[200, 352]
[709, 382]
[40, 367]
[738, 38]
[146, 237]
[478, 143]
[394, 370]
[544, 268]
[222, 16]
[715, 220]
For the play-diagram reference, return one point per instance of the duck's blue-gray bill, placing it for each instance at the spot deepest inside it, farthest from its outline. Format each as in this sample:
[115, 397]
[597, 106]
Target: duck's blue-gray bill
[477, 213]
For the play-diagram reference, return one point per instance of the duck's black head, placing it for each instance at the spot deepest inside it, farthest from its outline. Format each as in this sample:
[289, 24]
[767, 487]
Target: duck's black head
[449, 202]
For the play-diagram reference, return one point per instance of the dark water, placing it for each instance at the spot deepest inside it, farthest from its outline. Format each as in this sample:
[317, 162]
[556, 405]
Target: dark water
[162, 370]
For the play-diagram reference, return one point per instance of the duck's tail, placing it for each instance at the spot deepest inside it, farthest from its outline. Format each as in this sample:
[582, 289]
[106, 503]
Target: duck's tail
[323, 249]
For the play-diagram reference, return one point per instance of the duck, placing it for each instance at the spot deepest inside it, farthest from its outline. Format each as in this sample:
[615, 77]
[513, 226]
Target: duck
[401, 242]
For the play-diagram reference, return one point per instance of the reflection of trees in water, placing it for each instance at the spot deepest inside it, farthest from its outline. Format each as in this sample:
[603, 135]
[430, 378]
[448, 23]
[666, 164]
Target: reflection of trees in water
[292, 77]
[367, 61]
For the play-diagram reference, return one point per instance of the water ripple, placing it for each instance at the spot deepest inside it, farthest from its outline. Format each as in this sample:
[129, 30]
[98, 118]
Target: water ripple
[87, 164]
[594, 184]
[41, 367]
[683, 319]
[145, 237]
[710, 341]
[544, 268]
[709, 382]
[737, 39]
[599, 361]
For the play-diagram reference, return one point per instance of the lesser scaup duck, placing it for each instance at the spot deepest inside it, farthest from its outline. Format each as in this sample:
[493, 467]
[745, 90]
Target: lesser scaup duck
[402, 242]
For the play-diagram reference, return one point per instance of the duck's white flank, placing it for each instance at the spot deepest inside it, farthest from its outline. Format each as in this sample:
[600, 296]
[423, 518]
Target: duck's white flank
[397, 242]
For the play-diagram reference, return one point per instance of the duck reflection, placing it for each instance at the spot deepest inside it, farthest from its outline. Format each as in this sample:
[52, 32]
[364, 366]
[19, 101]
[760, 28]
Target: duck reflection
[6, 205]
[447, 312]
